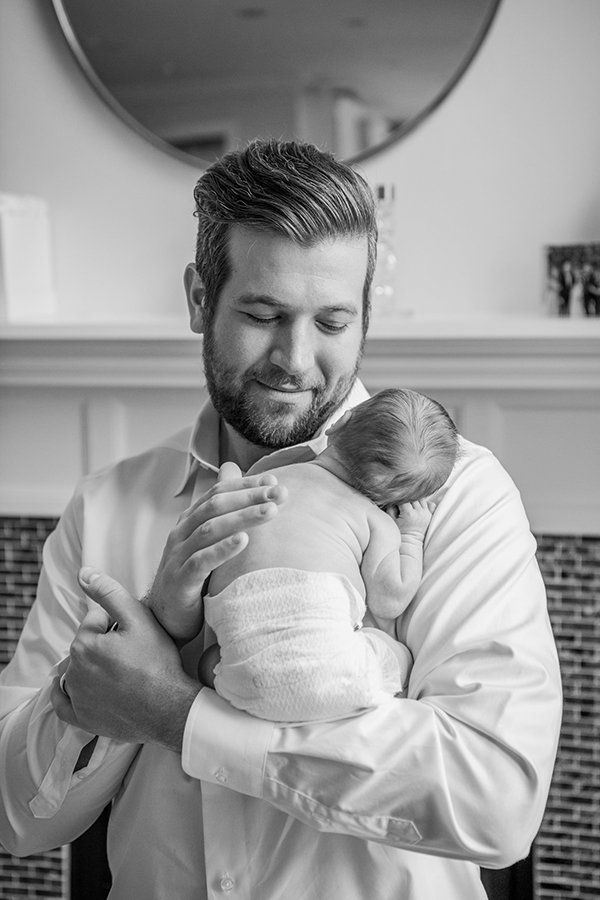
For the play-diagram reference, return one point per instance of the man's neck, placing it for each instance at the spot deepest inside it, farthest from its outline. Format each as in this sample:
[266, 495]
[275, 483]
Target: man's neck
[235, 448]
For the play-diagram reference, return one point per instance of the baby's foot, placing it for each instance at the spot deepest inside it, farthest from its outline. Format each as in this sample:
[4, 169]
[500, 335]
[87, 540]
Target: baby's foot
[206, 665]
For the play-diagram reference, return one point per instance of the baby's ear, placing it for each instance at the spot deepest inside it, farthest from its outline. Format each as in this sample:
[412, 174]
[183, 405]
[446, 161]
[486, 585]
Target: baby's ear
[341, 421]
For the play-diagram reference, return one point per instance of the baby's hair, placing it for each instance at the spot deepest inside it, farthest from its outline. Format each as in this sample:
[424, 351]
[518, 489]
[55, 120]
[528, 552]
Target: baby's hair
[397, 447]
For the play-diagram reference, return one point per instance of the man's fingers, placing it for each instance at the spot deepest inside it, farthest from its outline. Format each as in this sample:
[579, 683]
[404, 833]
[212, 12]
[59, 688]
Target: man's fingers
[231, 511]
[210, 558]
[229, 525]
[110, 595]
[234, 493]
[231, 472]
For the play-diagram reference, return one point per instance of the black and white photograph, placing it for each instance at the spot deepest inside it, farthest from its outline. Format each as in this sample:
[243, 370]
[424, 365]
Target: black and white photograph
[299, 431]
[573, 280]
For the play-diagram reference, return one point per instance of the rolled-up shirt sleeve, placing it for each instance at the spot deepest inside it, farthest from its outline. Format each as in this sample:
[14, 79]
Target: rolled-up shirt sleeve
[461, 767]
[46, 803]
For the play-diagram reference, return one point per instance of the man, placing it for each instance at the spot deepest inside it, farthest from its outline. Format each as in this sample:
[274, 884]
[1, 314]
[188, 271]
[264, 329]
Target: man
[566, 283]
[406, 800]
[590, 281]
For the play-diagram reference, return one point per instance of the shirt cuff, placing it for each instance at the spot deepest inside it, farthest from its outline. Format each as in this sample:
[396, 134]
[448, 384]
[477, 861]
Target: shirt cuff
[224, 745]
[54, 749]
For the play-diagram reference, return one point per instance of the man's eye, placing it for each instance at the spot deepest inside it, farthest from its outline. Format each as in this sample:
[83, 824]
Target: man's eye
[332, 327]
[261, 320]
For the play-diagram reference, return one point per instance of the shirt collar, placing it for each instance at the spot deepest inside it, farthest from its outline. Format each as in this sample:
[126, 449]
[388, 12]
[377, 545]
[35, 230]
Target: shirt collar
[203, 449]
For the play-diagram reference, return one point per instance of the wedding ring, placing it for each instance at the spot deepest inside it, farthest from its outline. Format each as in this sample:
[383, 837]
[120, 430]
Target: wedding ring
[63, 686]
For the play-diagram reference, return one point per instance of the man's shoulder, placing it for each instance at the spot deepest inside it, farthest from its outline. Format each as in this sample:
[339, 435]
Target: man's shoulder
[478, 479]
[161, 465]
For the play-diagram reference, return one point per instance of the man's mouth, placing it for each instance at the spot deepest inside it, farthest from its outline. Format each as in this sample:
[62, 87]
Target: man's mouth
[282, 389]
[285, 387]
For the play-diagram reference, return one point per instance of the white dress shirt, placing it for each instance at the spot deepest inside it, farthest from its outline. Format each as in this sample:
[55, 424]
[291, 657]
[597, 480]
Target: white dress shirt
[401, 802]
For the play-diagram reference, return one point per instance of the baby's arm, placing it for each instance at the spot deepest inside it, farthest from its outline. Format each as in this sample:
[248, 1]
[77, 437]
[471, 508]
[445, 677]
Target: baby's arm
[412, 520]
[392, 565]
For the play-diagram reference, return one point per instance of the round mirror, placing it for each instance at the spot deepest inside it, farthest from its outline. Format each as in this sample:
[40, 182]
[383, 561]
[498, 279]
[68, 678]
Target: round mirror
[200, 77]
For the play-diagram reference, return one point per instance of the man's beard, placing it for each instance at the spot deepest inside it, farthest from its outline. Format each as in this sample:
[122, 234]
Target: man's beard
[252, 418]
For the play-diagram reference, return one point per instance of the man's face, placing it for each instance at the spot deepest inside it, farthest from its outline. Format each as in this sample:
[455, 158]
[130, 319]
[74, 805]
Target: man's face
[283, 348]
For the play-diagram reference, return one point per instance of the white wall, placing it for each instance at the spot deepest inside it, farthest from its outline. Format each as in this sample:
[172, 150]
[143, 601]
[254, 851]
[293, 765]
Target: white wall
[508, 163]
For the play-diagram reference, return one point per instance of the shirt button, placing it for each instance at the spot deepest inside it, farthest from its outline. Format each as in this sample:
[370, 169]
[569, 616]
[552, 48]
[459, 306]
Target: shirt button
[227, 883]
[221, 776]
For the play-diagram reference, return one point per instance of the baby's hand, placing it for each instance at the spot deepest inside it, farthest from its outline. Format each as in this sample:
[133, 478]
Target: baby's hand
[412, 518]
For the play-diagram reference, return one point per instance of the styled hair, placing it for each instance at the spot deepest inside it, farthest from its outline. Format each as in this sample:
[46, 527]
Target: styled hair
[397, 447]
[286, 187]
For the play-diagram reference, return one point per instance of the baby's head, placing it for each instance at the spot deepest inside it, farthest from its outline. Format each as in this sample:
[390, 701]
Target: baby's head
[396, 447]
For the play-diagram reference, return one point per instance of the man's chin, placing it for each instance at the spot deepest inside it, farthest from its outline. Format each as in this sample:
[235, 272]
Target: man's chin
[275, 428]
[283, 412]
[282, 431]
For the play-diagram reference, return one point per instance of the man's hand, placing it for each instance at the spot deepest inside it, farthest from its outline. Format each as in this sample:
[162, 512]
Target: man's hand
[207, 534]
[127, 683]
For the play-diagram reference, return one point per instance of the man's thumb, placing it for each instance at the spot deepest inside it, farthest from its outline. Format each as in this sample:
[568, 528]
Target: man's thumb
[108, 593]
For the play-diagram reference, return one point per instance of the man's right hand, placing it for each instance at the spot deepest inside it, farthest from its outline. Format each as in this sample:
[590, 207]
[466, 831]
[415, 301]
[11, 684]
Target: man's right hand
[206, 535]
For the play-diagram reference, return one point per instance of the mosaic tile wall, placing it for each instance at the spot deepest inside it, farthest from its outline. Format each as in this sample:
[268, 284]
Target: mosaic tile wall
[567, 851]
[21, 541]
[567, 848]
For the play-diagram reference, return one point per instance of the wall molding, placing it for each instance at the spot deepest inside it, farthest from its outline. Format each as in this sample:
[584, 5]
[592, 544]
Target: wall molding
[485, 363]
[71, 403]
[542, 362]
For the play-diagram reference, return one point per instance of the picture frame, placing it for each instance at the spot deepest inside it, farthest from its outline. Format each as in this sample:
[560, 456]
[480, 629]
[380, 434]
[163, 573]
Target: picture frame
[573, 280]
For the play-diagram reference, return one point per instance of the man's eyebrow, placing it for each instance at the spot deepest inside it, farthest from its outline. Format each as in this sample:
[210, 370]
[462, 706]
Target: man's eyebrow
[266, 299]
[249, 299]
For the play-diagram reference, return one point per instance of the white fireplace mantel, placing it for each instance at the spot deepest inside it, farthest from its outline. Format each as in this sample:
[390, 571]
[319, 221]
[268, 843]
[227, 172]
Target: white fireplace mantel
[544, 354]
[75, 397]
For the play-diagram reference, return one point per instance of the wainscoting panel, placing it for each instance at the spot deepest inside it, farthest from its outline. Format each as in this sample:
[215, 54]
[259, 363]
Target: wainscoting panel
[52, 435]
[550, 443]
[72, 405]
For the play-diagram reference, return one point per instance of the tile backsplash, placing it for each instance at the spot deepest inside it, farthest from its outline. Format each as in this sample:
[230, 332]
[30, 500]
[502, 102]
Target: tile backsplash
[21, 541]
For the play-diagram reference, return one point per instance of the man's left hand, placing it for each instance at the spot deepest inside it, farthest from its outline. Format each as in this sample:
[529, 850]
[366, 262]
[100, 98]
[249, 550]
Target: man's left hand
[126, 683]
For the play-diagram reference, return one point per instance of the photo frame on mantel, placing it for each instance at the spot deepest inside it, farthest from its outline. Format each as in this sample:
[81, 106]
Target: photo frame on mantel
[573, 280]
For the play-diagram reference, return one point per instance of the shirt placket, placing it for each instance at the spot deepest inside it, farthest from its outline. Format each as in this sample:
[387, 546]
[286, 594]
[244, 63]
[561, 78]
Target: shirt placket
[225, 840]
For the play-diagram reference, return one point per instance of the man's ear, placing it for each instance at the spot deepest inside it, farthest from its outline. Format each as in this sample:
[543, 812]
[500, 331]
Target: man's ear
[195, 292]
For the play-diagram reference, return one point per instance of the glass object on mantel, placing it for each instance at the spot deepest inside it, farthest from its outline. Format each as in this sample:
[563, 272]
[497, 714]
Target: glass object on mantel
[386, 303]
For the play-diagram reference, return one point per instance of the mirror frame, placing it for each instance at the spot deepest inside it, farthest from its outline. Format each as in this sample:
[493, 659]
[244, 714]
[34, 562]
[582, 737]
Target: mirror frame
[395, 136]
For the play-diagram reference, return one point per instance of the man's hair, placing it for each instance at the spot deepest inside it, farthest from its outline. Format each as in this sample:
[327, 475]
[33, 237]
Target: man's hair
[398, 446]
[285, 187]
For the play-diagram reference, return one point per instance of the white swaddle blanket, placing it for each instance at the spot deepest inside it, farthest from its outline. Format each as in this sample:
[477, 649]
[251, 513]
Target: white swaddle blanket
[292, 649]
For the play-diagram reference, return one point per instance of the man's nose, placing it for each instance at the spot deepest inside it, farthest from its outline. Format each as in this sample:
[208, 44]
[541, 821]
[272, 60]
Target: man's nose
[293, 350]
